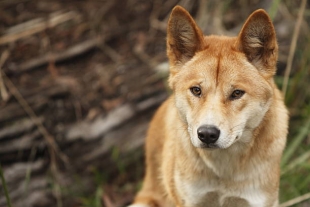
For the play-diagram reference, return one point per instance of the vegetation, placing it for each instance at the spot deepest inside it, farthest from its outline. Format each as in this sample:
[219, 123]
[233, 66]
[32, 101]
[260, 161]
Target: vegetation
[295, 179]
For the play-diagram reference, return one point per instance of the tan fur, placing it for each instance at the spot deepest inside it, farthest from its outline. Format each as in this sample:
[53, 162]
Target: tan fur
[243, 170]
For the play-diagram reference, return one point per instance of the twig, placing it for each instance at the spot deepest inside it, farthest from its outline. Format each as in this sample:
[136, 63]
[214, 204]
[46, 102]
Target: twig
[107, 201]
[293, 46]
[294, 163]
[10, 2]
[274, 8]
[154, 22]
[53, 147]
[13, 110]
[25, 142]
[100, 14]
[69, 53]
[159, 8]
[110, 52]
[34, 26]
[36, 98]
[16, 128]
[3, 92]
[296, 200]
[209, 18]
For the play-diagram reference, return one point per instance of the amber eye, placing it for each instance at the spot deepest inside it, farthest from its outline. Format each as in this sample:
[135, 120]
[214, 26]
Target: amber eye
[196, 91]
[236, 94]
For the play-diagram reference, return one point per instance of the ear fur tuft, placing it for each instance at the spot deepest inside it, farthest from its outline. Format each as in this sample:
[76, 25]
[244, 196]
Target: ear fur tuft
[184, 37]
[257, 40]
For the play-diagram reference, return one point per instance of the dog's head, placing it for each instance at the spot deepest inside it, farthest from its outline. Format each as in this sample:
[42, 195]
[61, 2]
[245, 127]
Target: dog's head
[223, 86]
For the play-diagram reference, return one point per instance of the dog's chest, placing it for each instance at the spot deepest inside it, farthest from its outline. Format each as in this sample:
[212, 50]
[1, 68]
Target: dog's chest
[203, 194]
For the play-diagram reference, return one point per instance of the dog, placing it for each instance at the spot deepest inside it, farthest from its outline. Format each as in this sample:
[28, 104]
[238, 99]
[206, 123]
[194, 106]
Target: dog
[217, 141]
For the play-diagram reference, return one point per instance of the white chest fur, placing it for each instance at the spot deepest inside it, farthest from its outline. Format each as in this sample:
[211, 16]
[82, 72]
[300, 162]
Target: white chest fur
[205, 193]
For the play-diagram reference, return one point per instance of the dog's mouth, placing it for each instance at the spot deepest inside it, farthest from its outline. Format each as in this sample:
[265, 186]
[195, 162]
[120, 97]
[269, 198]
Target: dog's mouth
[210, 146]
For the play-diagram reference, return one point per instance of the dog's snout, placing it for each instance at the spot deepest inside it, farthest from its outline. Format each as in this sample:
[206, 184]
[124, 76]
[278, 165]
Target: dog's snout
[208, 134]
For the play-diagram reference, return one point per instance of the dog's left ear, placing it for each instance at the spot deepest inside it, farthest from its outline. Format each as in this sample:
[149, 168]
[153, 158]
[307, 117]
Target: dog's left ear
[257, 40]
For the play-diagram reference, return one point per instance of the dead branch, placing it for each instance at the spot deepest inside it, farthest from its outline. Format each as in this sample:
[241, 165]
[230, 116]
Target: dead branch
[296, 200]
[28, 197]
[37, 99]
[91, 130]
[12, 111]
[37, 25]
[50, 89]
[25, 142]
[17, 171]
[209, 18]
[293, 45]
[110, 52]
[3, 92]
[10, 2]
[17, 128]
[57, 56]
[52, 146]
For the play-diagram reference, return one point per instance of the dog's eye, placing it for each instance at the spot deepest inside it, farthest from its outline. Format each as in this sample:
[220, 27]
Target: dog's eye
[196, 91]
[236, 94]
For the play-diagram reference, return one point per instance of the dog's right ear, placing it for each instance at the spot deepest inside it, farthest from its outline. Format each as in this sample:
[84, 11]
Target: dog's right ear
[184, 37]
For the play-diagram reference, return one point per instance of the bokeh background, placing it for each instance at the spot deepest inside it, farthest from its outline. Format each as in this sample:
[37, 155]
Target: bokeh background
[80, 80]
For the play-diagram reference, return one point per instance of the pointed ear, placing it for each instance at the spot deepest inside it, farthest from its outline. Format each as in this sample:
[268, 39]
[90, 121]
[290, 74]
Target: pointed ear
[184, 38]
[257, 40]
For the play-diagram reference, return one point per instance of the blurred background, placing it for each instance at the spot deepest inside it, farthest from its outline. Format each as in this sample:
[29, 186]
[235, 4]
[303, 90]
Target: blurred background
[80, 80]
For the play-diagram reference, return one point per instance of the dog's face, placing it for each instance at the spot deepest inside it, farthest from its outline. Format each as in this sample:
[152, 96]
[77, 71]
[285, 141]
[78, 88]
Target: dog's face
[221, 92]
[222, 86]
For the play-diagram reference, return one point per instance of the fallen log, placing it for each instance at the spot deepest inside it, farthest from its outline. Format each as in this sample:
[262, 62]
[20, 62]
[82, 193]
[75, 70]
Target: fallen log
[89, 130]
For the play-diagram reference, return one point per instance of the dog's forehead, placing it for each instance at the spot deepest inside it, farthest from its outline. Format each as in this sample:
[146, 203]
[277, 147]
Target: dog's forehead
[220, 62]
[223, 50]
[213, 64]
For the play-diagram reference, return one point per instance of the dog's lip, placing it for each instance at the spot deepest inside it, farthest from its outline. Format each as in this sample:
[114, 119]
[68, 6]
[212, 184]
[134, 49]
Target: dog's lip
[210, 146]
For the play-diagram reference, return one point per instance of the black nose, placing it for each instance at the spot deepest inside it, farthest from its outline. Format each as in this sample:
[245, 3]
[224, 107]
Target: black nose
[208, 134]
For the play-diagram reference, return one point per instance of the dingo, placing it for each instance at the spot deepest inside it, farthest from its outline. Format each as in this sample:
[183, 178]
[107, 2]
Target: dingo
[218, 140]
